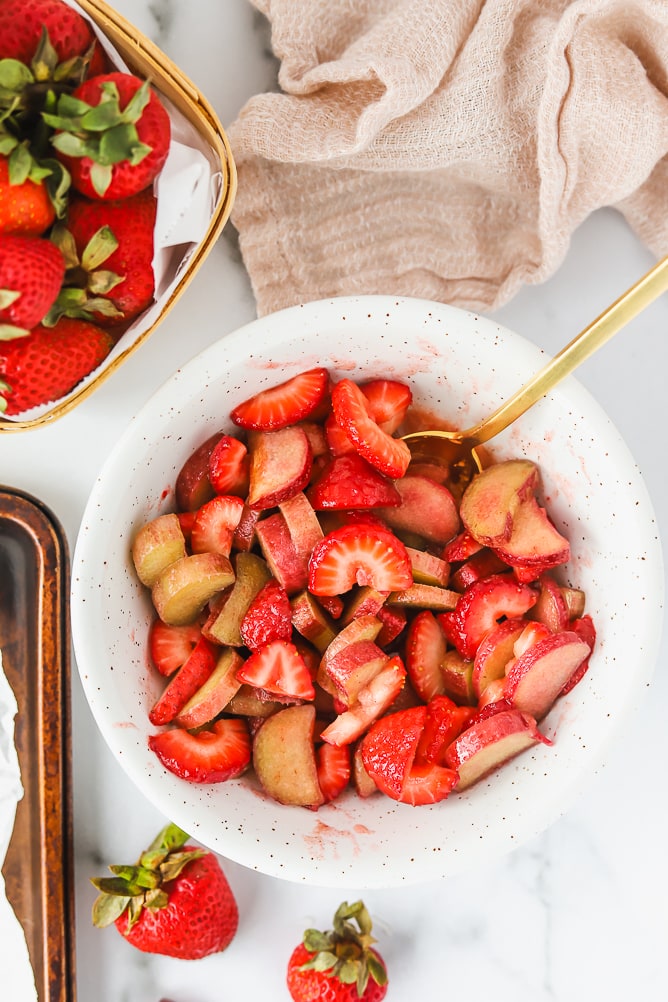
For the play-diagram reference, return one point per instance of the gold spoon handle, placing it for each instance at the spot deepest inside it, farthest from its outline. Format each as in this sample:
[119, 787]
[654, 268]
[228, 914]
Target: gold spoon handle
[594, 336]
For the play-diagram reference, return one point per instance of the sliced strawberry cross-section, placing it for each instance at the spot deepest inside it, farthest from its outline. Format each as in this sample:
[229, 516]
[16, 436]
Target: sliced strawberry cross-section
[215, 524]
[359, 554]
[170, 646]
[287, 403]
[481, 606]
[214, 755]
[279, 669]
[389, 747]
[228, 466]
[333, 768]
[425, 649]
[352, 410]
[388, 402]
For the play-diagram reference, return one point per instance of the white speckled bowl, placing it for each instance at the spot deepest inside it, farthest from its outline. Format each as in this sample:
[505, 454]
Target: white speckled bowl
[459, 365]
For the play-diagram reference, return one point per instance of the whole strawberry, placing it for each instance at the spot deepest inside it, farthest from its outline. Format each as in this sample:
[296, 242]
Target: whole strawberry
[31, 274]
[49, 362]
[25, 205]
[22, 23]
[340, 965]
[108, 247]
[175, 901]
[113, 135]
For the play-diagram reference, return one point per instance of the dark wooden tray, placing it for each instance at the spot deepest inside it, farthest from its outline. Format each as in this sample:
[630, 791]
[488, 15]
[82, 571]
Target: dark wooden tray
[35, 644]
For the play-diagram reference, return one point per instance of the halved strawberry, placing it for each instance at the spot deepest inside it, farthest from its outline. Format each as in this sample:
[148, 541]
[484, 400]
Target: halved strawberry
[350, 482]
[389, 747]
[359, 554]
[388, 402]
[268, 617]
[228, 466]
[389, 455]
[215, 524]
[338, 442]
[461, 547]
[425, 649]
[171, 646]
[213, 755]
[185, 683]
[481, 606]
[278, 668]
[480, 565]
[186, 521]
[332, 764]
[281, 405]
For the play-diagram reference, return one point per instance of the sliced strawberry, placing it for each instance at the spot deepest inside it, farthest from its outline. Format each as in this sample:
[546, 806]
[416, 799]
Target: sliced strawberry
[389, 455]
[215, 524]
[228, 466]
[268, 617]
[425, 649]
[481, 606]
[427, 784]
[388, 402]
[444, 722]
[279, 669]
[333, 767]
[285, 404]
[359, 554]
[171, 646]
[185, 683]
[389, 747]
[214, 755]
[350, 482]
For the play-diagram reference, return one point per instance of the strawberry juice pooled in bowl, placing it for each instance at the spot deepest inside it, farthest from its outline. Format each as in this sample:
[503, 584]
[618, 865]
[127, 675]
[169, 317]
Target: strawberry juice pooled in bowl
[347, 666]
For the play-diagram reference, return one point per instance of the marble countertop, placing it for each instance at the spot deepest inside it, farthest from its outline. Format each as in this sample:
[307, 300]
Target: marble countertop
[577, 913]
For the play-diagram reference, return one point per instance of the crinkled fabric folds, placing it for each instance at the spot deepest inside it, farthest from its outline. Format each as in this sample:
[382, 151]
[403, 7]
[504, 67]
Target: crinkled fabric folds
[447, 149]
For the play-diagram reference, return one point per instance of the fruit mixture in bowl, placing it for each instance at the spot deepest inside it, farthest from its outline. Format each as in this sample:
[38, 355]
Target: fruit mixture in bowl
[284, 632]
[330, 612]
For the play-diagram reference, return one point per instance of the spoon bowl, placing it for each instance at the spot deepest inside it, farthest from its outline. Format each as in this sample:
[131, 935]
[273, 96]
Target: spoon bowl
[459, 449]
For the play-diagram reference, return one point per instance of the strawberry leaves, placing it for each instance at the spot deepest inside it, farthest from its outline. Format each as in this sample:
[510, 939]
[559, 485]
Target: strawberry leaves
[345, 953]
[106, 133]
[140, 886]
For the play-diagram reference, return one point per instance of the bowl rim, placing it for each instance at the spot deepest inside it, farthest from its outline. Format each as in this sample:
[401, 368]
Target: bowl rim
[270, 332]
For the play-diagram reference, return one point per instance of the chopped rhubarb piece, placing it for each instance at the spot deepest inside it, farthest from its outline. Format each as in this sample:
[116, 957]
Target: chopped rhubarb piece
[373, 700]
[551, 607]
[288, 566]
[487, 744]
[184, 588]
[494, 652]
[157, 545]
[365, 602]
[481, 565]
[193, 487]
[279, 406]
[490, 502]
[457, 672]
[540, 673]
[424, 596]
[584, 627]
[311, 620]
[284, 757]
[214, 694]
[427, 568]
[362, 781]
[244, 534]
[534, 541]
[394, 620]
[224, 624]
[280, 466]
[185, 683]
[427, 509]
[343, 674]
[303, 525]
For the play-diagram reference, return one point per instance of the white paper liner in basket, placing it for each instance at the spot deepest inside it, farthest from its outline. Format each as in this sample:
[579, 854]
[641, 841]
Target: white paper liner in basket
[187, 190]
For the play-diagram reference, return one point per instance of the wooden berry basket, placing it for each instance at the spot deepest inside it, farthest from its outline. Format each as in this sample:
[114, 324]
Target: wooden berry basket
[148, 61]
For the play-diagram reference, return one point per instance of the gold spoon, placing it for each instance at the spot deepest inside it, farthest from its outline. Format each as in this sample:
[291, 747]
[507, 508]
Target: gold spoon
[458, 449]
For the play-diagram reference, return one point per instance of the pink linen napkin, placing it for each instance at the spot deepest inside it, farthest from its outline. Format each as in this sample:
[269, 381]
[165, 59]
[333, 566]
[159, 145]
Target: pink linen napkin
[447, 149]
